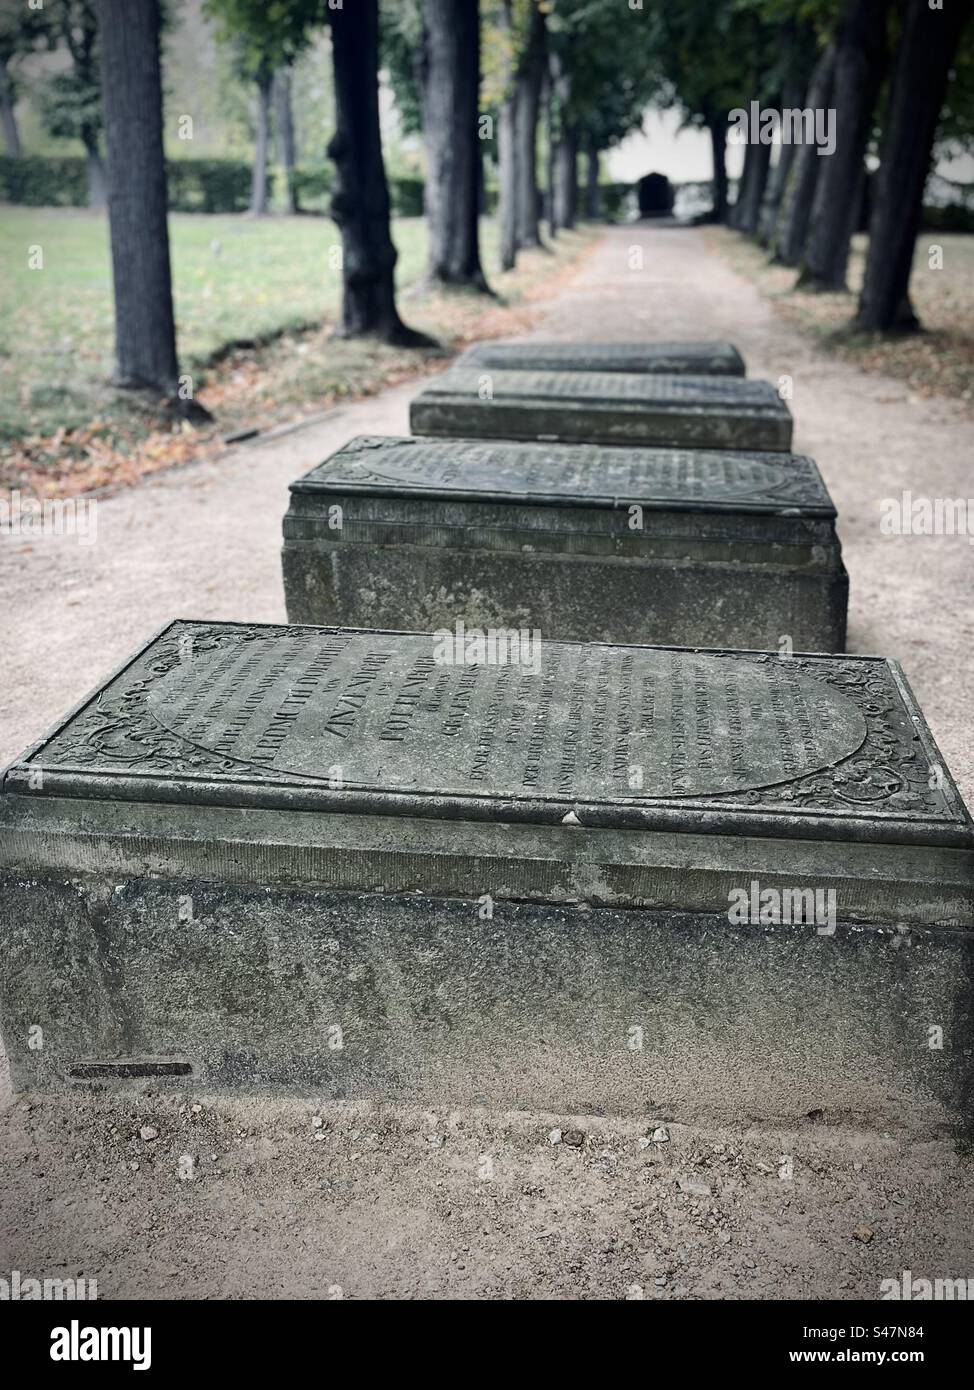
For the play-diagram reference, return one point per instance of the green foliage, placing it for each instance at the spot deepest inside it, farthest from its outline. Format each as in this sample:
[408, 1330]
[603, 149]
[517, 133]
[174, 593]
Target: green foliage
[70, 101]
[265, 34]
[209, 185]
[952, 218]
[607, 56]
[406, 196]
[713, 58]
[956, 129]
[70, 106]
[44, 180]
[613, 198]
[400, 52]
[22, 30]
[313, 186]
[195, 185]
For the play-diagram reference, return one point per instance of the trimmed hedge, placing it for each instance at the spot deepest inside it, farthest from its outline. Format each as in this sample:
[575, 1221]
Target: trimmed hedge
[195, 185]
[44, 180]
[312, 187]
[953, 217]
[613, 198]
[406, 194]
[210, 185]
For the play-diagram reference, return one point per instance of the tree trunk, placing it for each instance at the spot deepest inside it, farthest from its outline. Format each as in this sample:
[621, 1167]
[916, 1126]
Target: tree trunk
[563, 144]
[8, 115]
[860, 62]
[97, 182]
[528, 94]
[788, 240]
[750, 218]
[258, 186]
[145, 335]
[360, 203]
[717, 126]
[927, 47]
[778, 178]
[549, 101]
[750, 191]
[507, 149]
[284, 127]
[592, 200]
[507, 180]
[566, 177]
[450, 122]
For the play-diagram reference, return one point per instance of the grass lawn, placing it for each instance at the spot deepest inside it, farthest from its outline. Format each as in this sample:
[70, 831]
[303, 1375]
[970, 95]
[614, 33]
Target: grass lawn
[936, 362]
[234, 278]
[256, 302]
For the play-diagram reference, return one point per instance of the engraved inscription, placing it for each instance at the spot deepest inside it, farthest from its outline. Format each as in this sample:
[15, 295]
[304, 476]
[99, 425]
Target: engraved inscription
[580, 471]
[609, 386]
[381, 707]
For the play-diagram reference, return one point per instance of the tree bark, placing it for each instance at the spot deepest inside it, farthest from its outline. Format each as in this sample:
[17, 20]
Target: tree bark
[563, 145]
[97, 181]
[592, 200]
[528, 93]
[549, 102]
[8, 115]
[860, 63]
[927, 47]
[566, 177]
[258, 186]
[788, 240]
[778, 178]
[284, 127]
[360, 203]
[750, 191]
[717, 126]
[145, 334]
[507, 149]
[450, 122]
[754, 204]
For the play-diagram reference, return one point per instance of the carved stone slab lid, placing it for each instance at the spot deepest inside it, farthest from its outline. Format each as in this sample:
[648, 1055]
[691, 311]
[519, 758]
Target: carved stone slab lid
[645, 356]
[412, 724]
[625, 389]
[571, 475]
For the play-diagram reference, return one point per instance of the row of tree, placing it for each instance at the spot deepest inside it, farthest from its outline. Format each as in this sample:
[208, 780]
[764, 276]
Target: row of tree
[70, 104]
[569, 64]
[587, 69]
[899, 74]
[261, 42]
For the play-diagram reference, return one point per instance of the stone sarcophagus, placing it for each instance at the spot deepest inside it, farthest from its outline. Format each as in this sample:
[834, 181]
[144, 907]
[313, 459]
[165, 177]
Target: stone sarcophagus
[584, 542]
[696, 412]
[451, 867]
[660, 359]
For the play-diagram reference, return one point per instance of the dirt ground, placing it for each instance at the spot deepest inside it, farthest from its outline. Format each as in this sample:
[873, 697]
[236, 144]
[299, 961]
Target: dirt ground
[385, 1202]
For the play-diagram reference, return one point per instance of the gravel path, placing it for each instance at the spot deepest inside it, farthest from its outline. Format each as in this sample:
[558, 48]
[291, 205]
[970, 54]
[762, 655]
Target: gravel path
[388, 1202]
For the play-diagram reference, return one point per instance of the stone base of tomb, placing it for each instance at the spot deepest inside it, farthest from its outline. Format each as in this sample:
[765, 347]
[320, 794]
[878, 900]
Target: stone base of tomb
[570, 597]
[717, 885]
[658, 358]
[233, 984]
